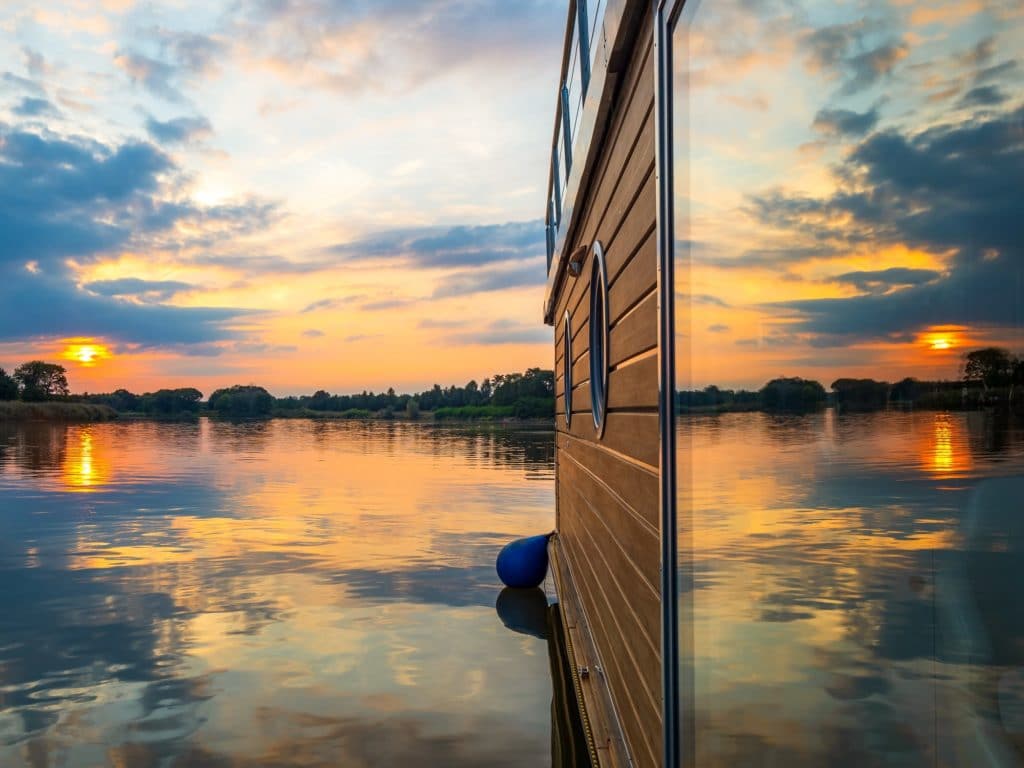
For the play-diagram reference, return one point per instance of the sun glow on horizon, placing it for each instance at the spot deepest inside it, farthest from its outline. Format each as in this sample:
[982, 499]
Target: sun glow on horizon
[943, 339]
[86, 352]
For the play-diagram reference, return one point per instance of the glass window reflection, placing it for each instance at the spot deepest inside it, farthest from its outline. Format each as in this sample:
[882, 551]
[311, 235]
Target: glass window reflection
[849, 219]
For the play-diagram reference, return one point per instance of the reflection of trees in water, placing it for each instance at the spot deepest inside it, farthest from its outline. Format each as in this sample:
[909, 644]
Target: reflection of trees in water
[914, 564]
[34, 447]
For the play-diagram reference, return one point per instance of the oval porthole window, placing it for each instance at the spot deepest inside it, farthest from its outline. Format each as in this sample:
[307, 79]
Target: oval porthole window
[567, 367]
[599, 339]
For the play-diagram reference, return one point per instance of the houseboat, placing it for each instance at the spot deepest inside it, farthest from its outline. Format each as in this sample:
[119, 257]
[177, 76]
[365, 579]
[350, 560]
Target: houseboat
[766, 223]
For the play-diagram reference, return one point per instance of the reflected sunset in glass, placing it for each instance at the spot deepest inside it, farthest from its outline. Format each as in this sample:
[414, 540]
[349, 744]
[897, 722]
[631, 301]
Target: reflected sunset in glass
[848, 209]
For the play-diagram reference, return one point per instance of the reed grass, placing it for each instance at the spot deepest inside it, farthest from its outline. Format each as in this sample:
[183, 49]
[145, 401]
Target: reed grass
[15, 410]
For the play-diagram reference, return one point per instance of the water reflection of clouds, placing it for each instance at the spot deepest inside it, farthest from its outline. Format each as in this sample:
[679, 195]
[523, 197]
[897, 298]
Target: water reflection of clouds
[855, 586]
[217, 577]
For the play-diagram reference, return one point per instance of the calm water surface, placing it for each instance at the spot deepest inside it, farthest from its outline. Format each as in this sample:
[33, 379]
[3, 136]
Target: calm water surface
[857, 591]
[267, 593]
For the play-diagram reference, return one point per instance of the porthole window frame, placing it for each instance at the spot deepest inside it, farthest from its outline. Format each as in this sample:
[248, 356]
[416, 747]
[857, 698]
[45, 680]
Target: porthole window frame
[567, 367]
[598, 323]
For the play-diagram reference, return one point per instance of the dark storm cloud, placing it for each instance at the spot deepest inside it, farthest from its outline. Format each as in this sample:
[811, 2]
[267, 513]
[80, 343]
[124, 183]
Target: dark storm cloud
[179, 130]
[34, 107]
[844, 122]
[948, 189]
[147, 290]
[457, 246]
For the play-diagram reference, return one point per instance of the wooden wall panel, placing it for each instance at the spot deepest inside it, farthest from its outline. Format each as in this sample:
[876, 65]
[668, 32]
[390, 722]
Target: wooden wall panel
[608, 486]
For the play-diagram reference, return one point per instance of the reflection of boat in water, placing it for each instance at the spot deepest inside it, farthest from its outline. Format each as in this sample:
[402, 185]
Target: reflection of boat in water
[527, 611]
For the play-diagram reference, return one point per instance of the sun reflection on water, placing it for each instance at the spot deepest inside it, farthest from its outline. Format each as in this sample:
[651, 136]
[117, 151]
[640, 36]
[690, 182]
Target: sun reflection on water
[84, 471]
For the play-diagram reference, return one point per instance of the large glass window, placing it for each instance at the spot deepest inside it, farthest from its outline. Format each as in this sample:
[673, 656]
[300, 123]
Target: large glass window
[849, 266]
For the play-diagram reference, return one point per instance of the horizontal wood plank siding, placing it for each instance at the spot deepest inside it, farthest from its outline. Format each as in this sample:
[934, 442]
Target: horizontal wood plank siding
[608, 486]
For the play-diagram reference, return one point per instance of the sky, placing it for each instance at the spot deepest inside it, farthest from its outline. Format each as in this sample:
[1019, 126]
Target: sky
[347, 195]
[302, 194]
[849, 197]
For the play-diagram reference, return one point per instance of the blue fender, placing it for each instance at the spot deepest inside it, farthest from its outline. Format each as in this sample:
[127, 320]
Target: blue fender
[523, 563]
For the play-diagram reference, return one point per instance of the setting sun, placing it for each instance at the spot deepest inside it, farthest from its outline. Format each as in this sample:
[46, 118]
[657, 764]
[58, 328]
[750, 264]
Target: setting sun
[943, 339]
[86, 352]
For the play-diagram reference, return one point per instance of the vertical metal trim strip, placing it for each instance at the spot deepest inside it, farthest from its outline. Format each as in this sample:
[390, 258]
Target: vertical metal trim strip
[666, 383]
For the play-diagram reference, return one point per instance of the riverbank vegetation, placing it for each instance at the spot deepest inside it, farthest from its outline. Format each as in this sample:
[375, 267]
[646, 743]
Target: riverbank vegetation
[990, 378]
[528, 395]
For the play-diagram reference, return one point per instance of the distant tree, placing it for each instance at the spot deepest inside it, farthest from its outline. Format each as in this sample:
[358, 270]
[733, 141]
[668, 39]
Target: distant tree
[991, 367]
[41, 381]
[861, 394]
[171, 402]
[241, 400]
[792, 395]
[412, 409]
[905, 391]
[8, 386]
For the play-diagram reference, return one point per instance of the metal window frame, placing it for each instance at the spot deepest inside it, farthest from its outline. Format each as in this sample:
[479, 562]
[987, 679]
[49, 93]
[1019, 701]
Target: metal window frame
[666, 17]
[599, 336]
[567, 383]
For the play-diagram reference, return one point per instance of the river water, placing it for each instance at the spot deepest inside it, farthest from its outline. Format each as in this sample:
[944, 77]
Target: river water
[854, 589]
[267, 593]
[298, 593]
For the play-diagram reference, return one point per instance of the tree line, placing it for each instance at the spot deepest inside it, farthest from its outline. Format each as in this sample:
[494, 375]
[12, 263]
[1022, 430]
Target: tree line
[521, 395]
[991, 377]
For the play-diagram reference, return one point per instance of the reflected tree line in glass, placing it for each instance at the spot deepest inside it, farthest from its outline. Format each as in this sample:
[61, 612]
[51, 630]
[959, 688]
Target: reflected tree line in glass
[850, 384]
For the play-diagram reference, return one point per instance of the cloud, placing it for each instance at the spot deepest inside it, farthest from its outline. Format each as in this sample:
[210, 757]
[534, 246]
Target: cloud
[457, 246]
[983, 96]
[385, 304]
[70, 200]
[884, 280]
[843, 49]
[35, 63]
[35, 107]
[40, 306]
[180, 58]
[157, 77]
[325, 304]
[12, 80]
[67, 198]
[312, 333]
[430, 323]
[179, 130]
[718, 328]
[844, 122]
[501, 332]
[143, 290]
[393, 45]
[951, 190]
[490, 279]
